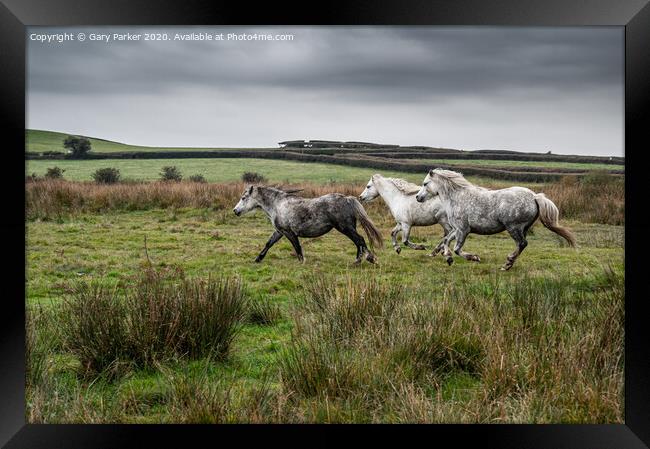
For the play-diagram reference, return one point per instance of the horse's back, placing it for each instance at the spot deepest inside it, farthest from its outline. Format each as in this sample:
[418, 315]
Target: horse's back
[490, 211]
[516, 204]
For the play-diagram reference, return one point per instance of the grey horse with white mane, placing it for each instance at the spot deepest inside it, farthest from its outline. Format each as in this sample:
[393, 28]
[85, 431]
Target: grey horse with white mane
[399, 196]
[293, 217]
[474, 209]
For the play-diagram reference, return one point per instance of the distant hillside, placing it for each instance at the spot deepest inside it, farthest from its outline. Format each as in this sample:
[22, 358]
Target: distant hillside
[38, 141]
[497, 164]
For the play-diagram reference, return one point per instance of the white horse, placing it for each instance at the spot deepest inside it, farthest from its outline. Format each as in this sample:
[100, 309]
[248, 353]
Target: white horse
[471, 208]
[399, 196]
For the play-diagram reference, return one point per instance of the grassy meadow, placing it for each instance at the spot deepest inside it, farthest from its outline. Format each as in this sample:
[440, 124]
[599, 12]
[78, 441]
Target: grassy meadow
[215, 170]
[145, 306]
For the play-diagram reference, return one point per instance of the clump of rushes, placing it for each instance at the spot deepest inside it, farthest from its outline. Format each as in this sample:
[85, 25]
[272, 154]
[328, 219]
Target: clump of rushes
[157, 317]
[263, 311]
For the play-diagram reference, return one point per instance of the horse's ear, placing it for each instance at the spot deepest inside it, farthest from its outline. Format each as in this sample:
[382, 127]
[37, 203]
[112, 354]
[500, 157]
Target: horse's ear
[250, 190]
[431, 172]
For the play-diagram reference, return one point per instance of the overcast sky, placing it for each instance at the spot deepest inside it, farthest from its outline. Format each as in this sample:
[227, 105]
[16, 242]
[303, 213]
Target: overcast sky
[526, 89]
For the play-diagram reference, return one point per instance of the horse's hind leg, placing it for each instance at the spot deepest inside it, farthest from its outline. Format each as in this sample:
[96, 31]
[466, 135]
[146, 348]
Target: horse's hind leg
[458, 248]
[519, 236]
[351, 233]
[393, 236]
[406, 233]
[293, 238]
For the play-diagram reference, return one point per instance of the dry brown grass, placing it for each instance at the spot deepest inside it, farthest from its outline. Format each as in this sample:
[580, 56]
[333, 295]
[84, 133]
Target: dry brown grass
[593, 199]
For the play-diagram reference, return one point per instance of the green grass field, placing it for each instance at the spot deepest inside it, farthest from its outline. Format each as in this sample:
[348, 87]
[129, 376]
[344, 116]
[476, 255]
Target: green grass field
[467, 343]
[217, 170]
[110, 247]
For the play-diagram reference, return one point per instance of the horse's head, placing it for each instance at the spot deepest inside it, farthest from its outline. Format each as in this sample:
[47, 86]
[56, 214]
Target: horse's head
[247, 202]
[370, 192]
[429, 188]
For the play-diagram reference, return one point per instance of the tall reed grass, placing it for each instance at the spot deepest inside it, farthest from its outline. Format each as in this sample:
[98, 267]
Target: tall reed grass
[157, 317]
[594, 198]
[531, 350]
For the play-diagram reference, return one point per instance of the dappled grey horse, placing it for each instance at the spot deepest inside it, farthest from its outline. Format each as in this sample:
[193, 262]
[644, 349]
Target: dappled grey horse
[471, 208]
[399, 196]
[293, 217]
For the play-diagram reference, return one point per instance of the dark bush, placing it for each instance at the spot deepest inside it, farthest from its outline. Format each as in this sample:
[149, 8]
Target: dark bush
[54, 173]
[197, 178]
[106, 175]
[253, 177]
[170, 174]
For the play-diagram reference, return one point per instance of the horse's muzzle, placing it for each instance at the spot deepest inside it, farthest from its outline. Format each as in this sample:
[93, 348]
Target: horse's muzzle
[238, 213]
[419, 199]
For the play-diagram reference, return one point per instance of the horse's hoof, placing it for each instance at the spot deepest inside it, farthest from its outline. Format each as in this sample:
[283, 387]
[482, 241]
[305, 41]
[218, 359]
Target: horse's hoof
[475, 259]
[257, 260]
[420, 247]
[450, 261]
[506, 267]
[398, 249]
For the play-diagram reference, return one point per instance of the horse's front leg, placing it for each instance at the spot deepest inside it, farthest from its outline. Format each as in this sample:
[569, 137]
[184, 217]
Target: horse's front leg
[445, 246]
[277, 235]
[406, 233]
[446, 229]
[393, 236]
[293, 238]
[458, 248]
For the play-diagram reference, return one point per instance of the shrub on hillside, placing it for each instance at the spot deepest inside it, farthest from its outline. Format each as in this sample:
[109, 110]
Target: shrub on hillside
[252, 177]
[106, 175]
[170, 174]
[54, 173]
[197, 178]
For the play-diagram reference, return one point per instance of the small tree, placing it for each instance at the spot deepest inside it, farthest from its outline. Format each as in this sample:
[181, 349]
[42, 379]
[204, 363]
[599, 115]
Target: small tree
[106, 175]
[170, 174]
[54, 173]
[77, 145]
[197, 178]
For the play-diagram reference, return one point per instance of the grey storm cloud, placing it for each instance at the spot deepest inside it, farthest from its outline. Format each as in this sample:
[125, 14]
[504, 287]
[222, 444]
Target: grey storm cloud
[360, 72]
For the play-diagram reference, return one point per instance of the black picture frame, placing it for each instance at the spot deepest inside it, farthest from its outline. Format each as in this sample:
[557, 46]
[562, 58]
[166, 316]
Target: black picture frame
[634, 15]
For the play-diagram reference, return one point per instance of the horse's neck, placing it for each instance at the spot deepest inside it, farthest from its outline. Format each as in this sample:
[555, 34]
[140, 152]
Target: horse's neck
[269, 202]
[452, 196]
[388, 191]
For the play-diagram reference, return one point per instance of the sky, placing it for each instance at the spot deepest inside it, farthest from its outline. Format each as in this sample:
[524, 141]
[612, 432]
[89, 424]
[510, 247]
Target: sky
[524, 89]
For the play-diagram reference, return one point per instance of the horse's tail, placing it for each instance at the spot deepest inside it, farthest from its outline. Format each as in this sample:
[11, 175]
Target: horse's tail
[549, 215]
[374, 236]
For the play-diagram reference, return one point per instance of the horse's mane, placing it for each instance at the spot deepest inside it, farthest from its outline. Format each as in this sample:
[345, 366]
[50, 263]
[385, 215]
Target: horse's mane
[279, 190]
[454, 179]
[407, 188]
